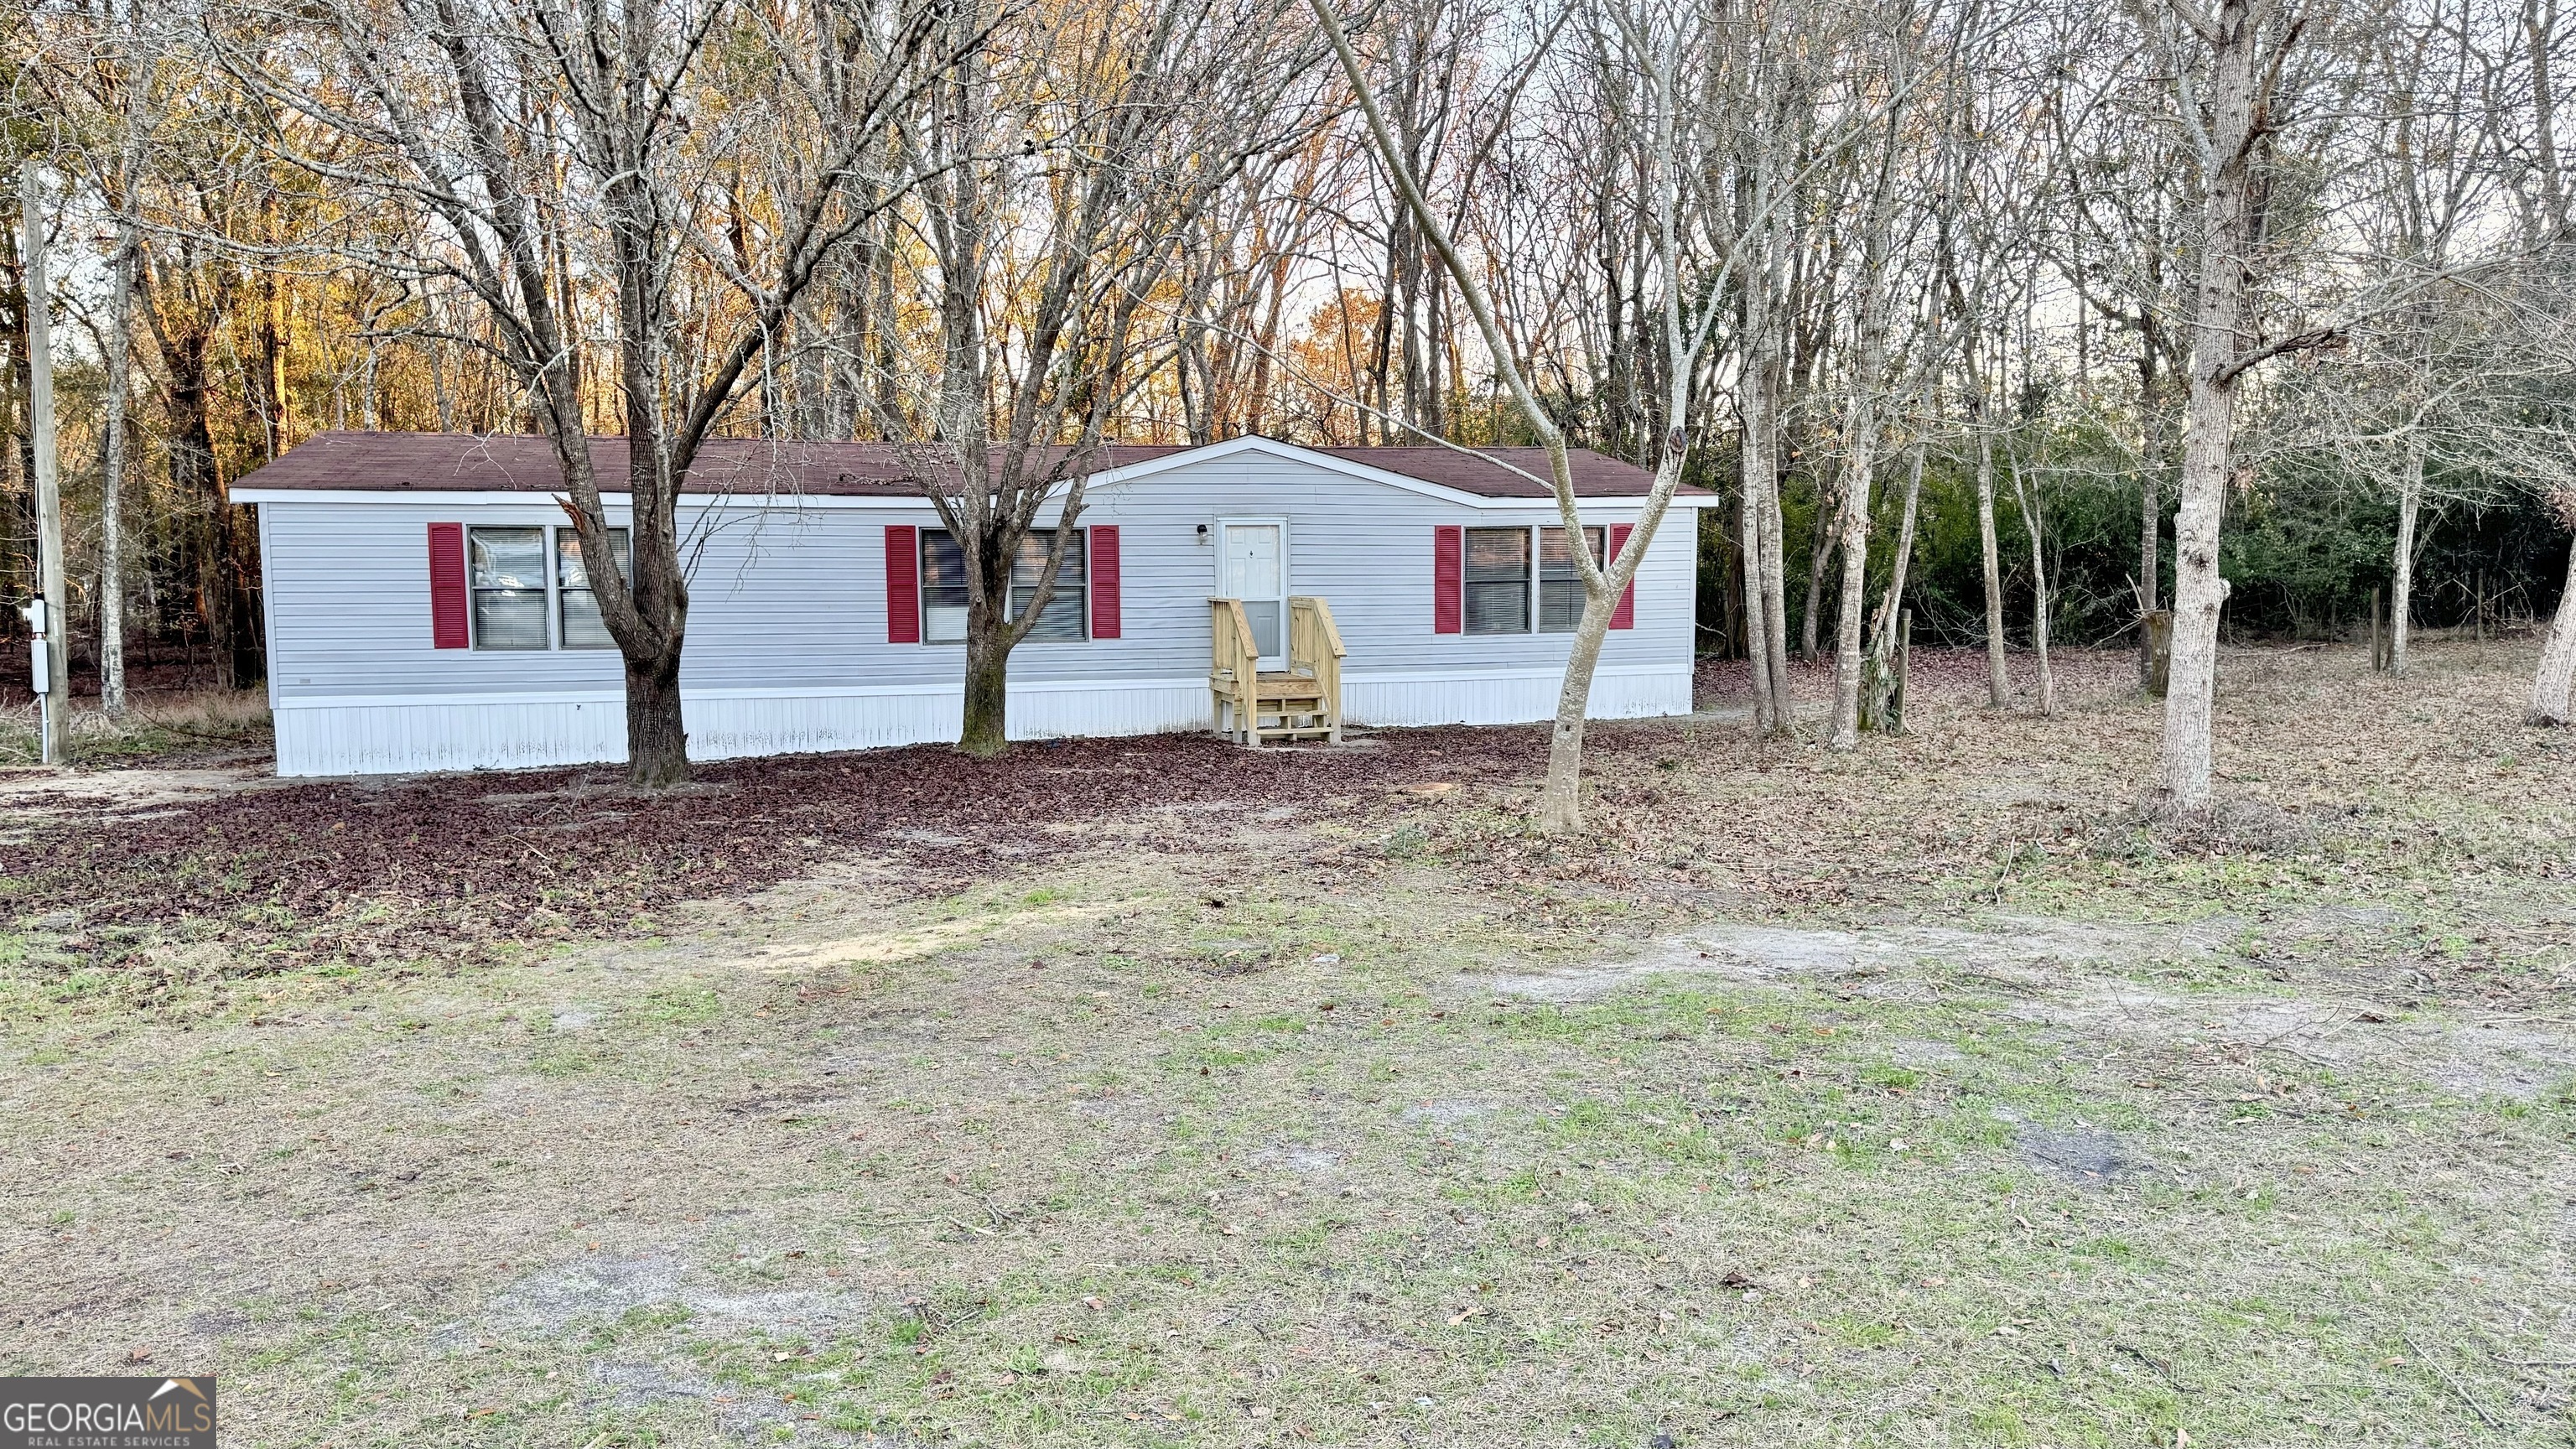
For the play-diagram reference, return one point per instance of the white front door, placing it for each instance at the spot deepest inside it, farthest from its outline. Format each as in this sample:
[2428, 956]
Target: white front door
[1252, 565]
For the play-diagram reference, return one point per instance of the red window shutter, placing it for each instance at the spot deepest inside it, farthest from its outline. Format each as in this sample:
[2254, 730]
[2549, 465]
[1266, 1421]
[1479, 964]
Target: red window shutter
[903, 584]
[1104, 581]
[447, 586]
[1448, 578]
[1625, 616]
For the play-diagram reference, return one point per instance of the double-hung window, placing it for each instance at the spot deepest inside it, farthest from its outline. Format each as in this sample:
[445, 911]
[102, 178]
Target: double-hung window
[517, 573]
[1498, 581]
[1560, 579]
[508, 570]
[943, 587]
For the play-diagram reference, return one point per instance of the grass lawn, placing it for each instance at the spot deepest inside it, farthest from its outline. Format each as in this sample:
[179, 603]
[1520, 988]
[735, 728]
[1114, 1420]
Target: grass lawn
[1916, 1096]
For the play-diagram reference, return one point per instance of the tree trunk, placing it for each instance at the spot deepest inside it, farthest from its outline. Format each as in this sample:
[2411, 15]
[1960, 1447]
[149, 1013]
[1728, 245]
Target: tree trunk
[2410, 501]
[1759, 477]
[1853, 603]
[111, 510]
[1879, 709]
[1757, 634]
[2549, 687]
[1998, 671]
[2208, 443]
[2038, 596]
[1764, 422]
[988, 672]
[2150, 493]
[657, 742]
[1775, 603]
[1819, 553]
[1560, 801]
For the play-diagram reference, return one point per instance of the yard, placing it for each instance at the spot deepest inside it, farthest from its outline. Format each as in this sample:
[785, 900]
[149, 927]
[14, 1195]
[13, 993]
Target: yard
[1158, 1092]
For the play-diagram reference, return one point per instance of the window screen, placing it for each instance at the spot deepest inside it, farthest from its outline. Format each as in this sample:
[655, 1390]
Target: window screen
[507, 570]
[1498, 580]
[577, 607]
[1560, 585]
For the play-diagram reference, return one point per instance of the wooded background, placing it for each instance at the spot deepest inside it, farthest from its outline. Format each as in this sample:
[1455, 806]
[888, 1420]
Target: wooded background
[1984, 221]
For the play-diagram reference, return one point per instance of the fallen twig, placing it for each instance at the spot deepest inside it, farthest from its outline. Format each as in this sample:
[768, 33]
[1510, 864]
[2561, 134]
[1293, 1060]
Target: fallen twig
[2453, 1384]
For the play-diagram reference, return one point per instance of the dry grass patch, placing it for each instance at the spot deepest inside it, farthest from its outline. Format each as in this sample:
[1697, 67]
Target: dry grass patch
[1901, 1098]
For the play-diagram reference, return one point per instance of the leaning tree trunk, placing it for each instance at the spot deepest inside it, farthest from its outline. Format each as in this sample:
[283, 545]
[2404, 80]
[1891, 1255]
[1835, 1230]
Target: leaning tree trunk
[2410, 502]
[2549, 688]
[1998, 672]
[2208, 442]
[1560, 801]
[1878, 710]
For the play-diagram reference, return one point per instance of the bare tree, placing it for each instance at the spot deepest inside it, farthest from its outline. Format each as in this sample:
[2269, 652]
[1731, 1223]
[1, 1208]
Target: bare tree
[1654, 43]
[2247, 41]
[1861, 432]
[1060, 176]
[515, 137]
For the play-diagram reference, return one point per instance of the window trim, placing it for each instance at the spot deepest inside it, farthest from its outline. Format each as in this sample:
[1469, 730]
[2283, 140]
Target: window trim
[924, 533]
[1529, 580]
[556, 592]
[553, 591]
[544, 591]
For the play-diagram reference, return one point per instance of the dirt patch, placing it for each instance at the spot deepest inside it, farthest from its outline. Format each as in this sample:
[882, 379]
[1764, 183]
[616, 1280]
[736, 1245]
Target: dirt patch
[2019, 951]
[592, 1290]
[2087, 1155]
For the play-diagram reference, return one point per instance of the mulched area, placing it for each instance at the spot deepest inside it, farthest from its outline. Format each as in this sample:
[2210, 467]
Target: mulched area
[440, 865]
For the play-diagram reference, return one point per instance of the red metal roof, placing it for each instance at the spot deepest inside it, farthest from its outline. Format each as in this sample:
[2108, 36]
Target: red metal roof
[522, 463]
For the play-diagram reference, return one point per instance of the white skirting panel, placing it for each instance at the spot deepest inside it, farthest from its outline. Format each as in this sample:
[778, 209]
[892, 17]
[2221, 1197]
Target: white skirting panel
[1514, 696]
[388, 737]
[392, 735]
[382, 735]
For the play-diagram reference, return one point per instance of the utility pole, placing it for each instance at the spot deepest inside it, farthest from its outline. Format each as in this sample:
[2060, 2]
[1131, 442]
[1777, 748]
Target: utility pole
[53, 621]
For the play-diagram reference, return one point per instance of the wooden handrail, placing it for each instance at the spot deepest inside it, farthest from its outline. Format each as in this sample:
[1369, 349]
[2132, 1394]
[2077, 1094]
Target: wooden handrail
[1313, 634]
[1234, 671]
[1230, 638]
[1315, 650]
